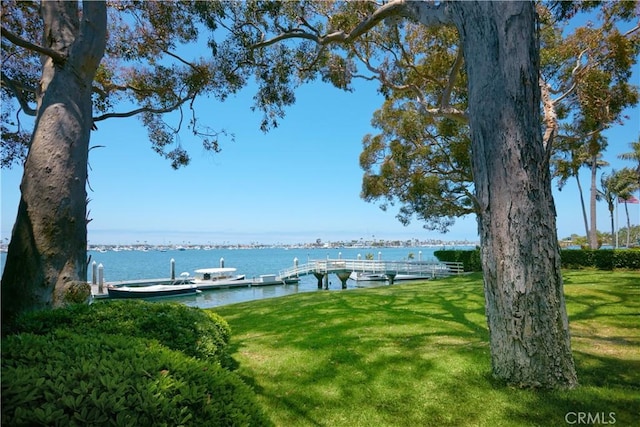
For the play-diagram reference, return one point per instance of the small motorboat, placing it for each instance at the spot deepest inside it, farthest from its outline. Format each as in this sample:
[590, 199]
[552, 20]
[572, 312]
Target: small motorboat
[211, 278]
[369, 277]
[382, 277]
[151, 291]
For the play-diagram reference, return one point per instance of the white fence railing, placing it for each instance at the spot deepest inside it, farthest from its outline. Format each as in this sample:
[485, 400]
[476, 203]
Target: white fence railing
[423, 268]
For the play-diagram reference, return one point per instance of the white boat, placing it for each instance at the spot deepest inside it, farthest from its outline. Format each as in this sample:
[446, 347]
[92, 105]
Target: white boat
[272, 279]
[219, 277]
[151, 291]
[382, 277]
[368, 277]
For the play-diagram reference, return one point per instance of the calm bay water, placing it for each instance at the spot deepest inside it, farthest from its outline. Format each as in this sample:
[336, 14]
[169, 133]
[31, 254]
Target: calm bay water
[131, 265]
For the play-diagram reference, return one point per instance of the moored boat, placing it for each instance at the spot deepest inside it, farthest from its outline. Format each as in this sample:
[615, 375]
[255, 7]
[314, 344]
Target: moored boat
[219, 277]
[272, 279]
[151, 291]
[368, 277]
[381, 277]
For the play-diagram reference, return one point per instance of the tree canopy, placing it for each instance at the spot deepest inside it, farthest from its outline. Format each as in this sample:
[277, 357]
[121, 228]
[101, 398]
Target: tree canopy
[143, 72]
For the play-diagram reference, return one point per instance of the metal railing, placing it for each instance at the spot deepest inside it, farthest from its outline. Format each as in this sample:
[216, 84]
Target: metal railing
[423, 268]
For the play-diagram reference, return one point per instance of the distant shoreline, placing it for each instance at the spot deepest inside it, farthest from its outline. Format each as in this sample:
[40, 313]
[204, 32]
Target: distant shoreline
[315, 245]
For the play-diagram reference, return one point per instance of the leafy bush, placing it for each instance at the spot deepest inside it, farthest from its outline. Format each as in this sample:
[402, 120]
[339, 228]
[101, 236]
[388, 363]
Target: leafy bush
[576, 258]
[469, 259]
[67, 379]
[628, 259]
[198, 333]
[603, 259]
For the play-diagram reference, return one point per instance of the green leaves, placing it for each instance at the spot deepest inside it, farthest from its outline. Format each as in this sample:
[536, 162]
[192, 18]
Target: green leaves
[113, 366]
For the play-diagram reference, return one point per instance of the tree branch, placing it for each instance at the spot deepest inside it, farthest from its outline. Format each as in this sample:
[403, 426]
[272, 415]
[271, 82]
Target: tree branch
[18, 90]
[631, 31]
[453, 73]
[550, 118]
[184, 61]
[137, 111]
[57, 57]
[425, 13]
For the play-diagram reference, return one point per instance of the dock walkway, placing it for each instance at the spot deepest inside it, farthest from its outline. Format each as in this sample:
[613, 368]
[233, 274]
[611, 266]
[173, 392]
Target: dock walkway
[344, 267]
[321, 269]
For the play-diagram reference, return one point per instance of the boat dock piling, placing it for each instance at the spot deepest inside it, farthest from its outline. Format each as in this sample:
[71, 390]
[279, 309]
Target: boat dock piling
[97, 277]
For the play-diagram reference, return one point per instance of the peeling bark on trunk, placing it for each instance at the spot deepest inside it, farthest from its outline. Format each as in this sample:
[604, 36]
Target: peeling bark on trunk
[47, 262]
[525, 307]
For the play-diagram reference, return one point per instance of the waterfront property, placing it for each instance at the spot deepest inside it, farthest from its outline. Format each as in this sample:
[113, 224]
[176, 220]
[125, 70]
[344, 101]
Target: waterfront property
[344, 269]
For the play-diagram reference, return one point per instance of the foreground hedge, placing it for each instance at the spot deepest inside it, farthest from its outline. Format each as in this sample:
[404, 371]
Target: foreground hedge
[66, 379]
[603, 259]
[193, 331]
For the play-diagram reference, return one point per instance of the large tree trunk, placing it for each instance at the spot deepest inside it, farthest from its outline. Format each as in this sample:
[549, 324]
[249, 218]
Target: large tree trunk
[47, 261]
[525, 307]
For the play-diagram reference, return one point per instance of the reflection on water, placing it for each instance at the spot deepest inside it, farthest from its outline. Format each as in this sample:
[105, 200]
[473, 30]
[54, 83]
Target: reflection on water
[217, 297]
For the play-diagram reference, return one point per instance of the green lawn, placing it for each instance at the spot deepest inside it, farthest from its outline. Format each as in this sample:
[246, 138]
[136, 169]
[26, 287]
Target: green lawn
[418, 355]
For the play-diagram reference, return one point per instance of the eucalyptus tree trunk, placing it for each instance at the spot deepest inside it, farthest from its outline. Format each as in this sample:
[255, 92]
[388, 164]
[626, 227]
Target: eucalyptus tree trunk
[525, 307]
[47, 259]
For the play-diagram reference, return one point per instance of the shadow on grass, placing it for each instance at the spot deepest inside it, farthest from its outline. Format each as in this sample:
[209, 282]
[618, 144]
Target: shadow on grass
[415, 355]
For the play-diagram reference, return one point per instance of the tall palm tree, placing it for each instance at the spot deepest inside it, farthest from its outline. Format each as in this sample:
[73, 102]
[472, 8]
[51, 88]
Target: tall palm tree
[567, 164]
[572, 153]
[596, 145]
[627, 183]
[634, 156]
[607, 192]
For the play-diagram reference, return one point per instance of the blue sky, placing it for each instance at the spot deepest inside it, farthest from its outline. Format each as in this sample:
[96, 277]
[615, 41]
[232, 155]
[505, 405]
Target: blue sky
[299, 182]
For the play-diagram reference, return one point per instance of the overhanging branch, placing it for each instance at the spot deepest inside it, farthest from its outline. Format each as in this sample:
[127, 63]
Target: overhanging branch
[18, 90]
[399, 8]
[141, 110]
[57, 57]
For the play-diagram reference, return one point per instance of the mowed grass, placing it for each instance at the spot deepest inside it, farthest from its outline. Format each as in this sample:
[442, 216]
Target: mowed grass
[418, 355]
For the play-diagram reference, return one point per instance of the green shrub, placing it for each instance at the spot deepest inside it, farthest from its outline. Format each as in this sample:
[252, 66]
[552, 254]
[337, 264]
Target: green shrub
[196, 332]
[603, 259]
[628, 259]
[576, 258]
[470, 259]
[67, 379]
